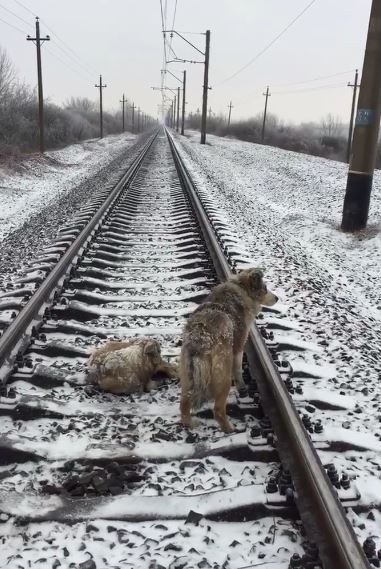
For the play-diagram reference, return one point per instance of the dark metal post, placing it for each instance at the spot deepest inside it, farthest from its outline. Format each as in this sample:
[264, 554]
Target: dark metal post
[205, 88]
[123, 101]
[183, 110]
[230, 106]
[178, 109]
[267, 95]
[350, 132]
[38, 40]
[101, 86]
[365, 136]
[133, 117]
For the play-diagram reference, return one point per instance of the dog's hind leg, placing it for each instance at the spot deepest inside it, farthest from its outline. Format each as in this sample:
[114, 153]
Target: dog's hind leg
[220, 410]
[222, 381]
[237, 373]
[185, 398]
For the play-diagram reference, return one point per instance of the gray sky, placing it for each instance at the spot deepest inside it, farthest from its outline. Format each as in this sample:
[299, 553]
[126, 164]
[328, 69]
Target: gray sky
[122, 40]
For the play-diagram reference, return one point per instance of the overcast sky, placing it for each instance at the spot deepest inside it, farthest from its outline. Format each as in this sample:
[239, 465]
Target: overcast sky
[122, 40]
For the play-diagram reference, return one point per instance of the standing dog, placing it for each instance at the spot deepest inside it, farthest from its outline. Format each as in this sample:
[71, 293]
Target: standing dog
[127, 367]
[213, 342]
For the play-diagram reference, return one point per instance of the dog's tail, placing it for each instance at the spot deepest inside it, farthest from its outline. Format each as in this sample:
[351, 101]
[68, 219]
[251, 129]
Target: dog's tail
[199, 373]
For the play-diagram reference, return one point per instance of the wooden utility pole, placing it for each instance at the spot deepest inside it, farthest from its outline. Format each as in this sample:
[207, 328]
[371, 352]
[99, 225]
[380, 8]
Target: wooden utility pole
[183, 109]
[101, 86]
[133, 117]
[210, 113]
[205, 88]
[230, 107]
[38, 41]
[365, 136]
[174, 112]
[123, 101]
[267, 95]
[354, 97]
[139, 111]
[178, 109]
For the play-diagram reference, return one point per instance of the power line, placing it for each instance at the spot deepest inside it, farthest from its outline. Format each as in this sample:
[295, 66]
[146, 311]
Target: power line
[66, 64]
[319, 88]
[13, 26]
[66, 49]
[315, 79]
[25, 8]
[16, 16]
[258, 55]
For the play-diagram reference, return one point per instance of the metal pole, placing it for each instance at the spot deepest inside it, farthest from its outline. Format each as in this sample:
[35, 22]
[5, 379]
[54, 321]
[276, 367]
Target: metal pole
[183, 110]
[350, 132]
[267, 95]
[38, 40]
[230, 112]
[365, 136]
[205, 88]
[101, 105]
[178, 109]
[133, 117]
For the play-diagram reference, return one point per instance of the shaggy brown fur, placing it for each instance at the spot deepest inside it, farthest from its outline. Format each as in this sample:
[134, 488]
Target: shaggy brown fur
[127, 367]
[213, 343]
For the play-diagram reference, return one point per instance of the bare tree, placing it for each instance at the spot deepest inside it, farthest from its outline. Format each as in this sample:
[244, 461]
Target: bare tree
[80, 104]
[7, 74]
[331, 126]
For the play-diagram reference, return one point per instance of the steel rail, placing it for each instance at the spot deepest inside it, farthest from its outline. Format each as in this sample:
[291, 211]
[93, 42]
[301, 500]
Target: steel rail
[319, 507]
[17, 336]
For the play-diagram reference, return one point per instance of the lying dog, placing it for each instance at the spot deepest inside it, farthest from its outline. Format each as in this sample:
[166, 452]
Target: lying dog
[213, 343]
[127, 367]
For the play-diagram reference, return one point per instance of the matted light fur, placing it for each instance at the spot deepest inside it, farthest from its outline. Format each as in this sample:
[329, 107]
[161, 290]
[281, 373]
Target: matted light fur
[127, 367]
[213, 343]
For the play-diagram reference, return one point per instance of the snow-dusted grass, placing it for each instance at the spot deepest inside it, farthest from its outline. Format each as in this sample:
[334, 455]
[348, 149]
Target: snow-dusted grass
[30, 184]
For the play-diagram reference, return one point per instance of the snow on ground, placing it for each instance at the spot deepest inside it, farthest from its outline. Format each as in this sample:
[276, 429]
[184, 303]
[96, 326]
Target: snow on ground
[28, 185]
[286, 208]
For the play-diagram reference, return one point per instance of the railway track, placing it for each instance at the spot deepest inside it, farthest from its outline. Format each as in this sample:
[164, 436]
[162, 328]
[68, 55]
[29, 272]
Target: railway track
[94, 480]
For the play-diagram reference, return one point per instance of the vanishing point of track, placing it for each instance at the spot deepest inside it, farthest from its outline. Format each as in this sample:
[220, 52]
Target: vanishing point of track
[137, 262]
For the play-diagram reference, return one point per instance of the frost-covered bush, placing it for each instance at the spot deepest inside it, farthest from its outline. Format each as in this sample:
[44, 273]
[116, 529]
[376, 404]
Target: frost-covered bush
[77, 120]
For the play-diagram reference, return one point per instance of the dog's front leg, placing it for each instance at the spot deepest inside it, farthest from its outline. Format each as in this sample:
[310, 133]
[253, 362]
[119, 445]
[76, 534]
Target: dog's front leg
[237, 372]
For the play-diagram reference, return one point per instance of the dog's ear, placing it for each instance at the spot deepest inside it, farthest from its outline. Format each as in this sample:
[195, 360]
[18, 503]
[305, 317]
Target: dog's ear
[152, 349]
[250, 279]
[256, 279]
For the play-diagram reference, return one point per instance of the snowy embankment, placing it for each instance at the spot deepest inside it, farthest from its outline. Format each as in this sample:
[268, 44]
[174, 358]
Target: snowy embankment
[27, 185]
[286, 208]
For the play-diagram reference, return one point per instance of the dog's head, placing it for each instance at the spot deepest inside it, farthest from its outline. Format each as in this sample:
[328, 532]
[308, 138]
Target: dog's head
[152, 351]
[251, 280]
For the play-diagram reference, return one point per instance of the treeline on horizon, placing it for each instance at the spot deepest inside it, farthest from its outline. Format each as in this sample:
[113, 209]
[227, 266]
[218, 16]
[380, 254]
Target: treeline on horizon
[328, 138]
[75, 120]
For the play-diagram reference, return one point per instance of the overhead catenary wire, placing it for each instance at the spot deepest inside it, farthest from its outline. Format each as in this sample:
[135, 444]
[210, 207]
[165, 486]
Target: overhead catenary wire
[270, 44]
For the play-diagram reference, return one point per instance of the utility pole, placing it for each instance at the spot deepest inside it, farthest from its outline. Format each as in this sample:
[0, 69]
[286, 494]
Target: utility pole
[139, 111]
[205, 88]
[267, 95]
[123, 101]
[230, 107]
[178, 109]
[100, 87]
[174, 112]
[38, 41]
[350, 132]
[365, 136]
[210, 113]
[183, 110]
[133, 117]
